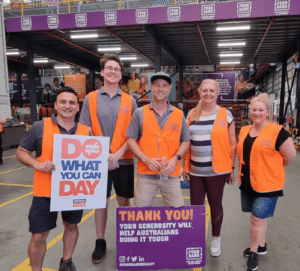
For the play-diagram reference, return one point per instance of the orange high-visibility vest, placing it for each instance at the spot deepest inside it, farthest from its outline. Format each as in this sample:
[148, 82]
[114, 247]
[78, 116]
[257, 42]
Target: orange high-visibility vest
[221, 150]
[1, 127]
[123, 120]
[266, 164]
[157, 143]
[41, 179]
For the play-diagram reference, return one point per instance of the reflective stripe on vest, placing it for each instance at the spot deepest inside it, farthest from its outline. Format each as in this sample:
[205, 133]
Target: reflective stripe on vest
[41, 179]
[221, 150]
[123, 120]
[267, 170]
[157, 143]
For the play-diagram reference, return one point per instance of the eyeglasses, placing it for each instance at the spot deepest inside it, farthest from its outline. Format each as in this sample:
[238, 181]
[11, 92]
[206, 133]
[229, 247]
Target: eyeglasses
[110, 68]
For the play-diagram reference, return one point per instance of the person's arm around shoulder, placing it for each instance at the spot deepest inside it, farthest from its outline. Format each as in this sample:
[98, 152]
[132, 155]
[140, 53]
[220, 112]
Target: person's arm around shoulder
[24, 156]
[232, 141]
[288, 151]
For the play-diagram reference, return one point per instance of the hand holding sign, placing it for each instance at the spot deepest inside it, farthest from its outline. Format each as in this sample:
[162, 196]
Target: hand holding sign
[46, 166]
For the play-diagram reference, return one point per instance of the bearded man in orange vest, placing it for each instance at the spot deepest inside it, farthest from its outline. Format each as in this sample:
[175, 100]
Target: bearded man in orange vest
[40, 138]
[107, 112]
[158, 137]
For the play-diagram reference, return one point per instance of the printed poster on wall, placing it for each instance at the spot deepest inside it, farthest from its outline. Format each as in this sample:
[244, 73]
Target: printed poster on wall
[192, 81]
[153, 238]
[79, 180]
[78, 83]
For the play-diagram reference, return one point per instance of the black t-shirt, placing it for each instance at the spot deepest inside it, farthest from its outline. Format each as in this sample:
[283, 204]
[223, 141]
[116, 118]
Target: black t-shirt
[246, 185]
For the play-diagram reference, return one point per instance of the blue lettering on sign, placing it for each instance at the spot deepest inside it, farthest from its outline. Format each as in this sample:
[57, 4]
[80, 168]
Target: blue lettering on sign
[91, 175]
[75, 165]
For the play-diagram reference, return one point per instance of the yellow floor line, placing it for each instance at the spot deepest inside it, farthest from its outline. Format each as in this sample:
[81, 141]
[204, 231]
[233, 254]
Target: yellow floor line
[16, 184]
[207, 218]
[12, 170]
[8, 157]
[14, 200]
[24, 266]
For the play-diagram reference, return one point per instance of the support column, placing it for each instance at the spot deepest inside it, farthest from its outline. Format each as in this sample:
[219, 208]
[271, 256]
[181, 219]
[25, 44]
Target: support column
[19, 86]
[31, 83]
[157, 57]
[180, 104]
[282, 93]
[92, 72]
[298, 90]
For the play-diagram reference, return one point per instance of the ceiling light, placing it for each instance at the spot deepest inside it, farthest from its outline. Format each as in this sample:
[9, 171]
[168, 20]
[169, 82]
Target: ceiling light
[230, 44]
[233, 22]
[140, 65]
[84, 36]
[109, 49]
[80, 31]
[12, 53]
[62, 66]
[41, 60]
[233, 28]
[128, 58]
[230, 62]
[231, 55]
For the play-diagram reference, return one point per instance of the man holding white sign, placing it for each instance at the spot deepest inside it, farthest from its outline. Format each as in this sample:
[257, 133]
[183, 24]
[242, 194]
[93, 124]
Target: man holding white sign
[40, 138]
[107, 112]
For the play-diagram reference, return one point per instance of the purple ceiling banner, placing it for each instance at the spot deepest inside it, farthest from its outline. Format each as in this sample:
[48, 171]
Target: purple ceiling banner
[156, 15]
[152, 238]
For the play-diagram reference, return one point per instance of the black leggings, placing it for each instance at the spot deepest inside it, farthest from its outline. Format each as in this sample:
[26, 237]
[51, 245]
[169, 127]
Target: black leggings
[213, 187]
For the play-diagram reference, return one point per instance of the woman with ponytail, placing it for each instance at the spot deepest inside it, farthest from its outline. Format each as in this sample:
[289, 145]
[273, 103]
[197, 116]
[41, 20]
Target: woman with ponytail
[209, 164]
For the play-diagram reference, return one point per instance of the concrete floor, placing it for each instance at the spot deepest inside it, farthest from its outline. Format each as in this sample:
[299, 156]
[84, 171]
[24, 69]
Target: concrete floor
[282, 236]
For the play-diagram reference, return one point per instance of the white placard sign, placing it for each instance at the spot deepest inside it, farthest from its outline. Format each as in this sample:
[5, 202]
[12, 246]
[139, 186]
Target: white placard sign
[79, 180]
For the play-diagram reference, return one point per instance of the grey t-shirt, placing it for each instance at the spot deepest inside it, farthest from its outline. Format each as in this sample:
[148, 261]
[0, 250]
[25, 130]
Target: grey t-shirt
[107, 112]
[33, 139]
[135, 126]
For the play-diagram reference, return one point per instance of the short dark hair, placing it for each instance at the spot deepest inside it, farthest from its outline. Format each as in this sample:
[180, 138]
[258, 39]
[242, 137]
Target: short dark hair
[98, 77]
[107, 57]
[66, 89]
[55, 78]
[47, 85]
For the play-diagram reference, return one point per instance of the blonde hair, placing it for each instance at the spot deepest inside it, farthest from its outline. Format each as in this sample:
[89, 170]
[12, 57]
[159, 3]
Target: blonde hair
[263, 98]
[198, 108]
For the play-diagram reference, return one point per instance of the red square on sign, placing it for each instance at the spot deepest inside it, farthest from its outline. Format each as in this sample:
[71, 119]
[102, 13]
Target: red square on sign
[124, 109]
[173, 127]
[222, 123]
[79, 203]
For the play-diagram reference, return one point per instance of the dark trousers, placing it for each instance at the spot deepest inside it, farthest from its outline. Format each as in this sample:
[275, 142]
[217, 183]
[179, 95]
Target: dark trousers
[213, 187]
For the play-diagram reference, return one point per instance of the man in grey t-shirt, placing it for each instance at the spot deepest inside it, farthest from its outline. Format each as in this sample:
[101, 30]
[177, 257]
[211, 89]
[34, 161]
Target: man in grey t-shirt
[105, 111]
[158, 131]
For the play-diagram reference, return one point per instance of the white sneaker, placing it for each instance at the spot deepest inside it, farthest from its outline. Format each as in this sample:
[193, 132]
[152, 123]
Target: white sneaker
[215, 247]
